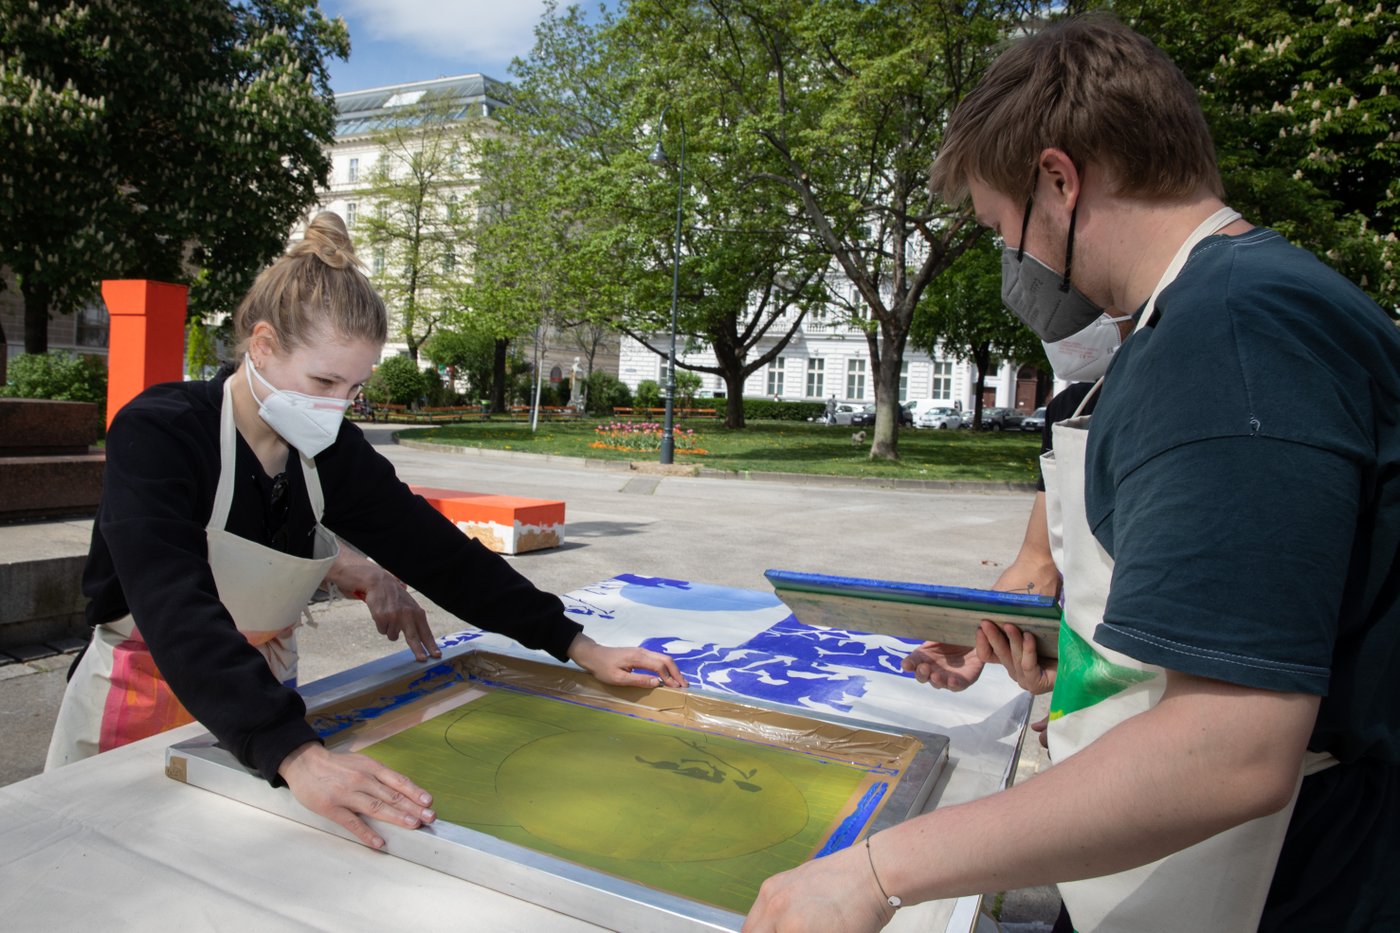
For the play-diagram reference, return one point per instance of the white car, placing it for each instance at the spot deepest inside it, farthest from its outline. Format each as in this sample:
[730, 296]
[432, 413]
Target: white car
[842, 415]
[939, 418]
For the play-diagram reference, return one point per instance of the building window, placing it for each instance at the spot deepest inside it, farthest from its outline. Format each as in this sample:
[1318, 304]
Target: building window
[855, 379]
[816, 378]
[378, 262]
[352, 210]
[354, 169]
[904, 381]
[92, 326]
[775, 377]
[942, 379]
[449, 262]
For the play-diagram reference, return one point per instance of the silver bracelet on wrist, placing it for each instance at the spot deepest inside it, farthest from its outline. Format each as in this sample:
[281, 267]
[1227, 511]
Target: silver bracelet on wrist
[891, 899]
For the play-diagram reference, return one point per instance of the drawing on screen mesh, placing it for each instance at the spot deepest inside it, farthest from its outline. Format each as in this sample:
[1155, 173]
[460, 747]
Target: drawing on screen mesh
[705, 816]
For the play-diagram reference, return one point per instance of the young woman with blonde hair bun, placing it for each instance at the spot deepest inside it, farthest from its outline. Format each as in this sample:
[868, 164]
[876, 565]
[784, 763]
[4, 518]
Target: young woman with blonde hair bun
[224, 506]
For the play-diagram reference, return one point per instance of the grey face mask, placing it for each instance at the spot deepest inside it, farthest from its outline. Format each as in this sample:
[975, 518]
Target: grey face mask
[1041, 297]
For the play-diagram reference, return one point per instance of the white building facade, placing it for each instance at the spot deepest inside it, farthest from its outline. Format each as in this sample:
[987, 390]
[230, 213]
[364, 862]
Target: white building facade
[831, 357]
[357, 150]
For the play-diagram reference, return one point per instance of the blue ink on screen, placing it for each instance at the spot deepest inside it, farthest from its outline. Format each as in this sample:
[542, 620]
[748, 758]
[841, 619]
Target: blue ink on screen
[781, 677]
[845, 647]
[850, 828]
[438, 677]
[457, 638]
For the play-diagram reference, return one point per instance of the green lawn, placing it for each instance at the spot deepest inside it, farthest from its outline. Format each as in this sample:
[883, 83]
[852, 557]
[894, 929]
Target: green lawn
[781, 446]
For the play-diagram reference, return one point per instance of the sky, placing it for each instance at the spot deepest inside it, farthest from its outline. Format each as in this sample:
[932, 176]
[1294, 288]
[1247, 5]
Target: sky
[393, 41]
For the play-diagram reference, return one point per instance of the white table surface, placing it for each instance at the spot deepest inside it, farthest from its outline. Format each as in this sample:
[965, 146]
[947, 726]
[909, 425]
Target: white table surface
[112, 843]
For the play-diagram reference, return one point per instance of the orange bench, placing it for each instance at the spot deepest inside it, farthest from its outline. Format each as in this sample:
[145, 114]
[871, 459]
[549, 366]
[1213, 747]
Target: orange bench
[659, 412]
[505, 524]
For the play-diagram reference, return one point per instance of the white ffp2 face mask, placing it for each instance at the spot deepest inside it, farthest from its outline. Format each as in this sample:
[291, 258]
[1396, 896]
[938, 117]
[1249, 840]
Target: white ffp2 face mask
[1084, 356]
[310, 423]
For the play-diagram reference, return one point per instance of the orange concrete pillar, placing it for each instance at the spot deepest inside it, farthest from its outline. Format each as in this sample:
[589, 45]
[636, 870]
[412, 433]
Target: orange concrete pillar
[146, 337]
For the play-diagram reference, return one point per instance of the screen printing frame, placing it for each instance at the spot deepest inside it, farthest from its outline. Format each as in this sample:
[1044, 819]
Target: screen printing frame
[921, 611]
[585, 893]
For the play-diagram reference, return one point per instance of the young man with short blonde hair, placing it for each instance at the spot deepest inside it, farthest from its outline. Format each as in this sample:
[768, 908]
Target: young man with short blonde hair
[1225, 724]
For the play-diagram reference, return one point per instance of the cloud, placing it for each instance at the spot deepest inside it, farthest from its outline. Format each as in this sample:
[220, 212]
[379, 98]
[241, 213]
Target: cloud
[490, 30]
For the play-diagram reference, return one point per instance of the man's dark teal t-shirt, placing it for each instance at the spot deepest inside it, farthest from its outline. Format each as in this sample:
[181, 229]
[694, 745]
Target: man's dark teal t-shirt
[1244, 474]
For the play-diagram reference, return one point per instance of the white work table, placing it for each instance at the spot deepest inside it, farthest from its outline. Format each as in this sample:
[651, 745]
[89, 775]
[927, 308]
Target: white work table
[113, 842]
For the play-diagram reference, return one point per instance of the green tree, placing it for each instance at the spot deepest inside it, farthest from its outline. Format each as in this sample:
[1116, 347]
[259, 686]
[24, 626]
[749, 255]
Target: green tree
[201, 349]
[418, 217]
[590, 102]
[687, 384]
[647, 394]
[842, 104]
[467, 354]
[751, 270]
[1301, 99]
[533, 265]
[606, 392]
[170, 139]
[397, 381]
[962, 314]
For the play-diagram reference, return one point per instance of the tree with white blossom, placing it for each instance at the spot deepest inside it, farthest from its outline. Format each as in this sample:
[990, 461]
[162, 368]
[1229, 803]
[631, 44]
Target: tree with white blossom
[1301, 99]
[169, 139]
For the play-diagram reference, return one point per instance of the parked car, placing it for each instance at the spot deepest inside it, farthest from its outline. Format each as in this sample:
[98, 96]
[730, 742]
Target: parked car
[1002, 419]
[1035, 421]
[939, 418]
[917, 406]
[867, 416]
[844, 414]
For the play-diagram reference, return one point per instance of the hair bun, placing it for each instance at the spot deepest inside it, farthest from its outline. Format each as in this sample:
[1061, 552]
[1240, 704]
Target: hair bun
[329, 240]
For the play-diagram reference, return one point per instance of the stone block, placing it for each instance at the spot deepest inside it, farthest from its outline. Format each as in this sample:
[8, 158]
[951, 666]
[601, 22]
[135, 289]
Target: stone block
[54, 662]
[50, 486]
[31, 652]
[32, 427]
[41, 600]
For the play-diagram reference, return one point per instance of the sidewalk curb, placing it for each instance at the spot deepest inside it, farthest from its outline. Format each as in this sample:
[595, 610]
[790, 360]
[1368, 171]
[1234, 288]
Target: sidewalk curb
[811, 479]
[495, 453]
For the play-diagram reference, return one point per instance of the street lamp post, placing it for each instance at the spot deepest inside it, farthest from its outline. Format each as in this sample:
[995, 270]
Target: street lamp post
[658, 157]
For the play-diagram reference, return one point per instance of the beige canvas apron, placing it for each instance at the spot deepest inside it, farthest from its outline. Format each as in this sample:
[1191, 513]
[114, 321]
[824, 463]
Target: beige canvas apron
[117, 695]
[1219, 884]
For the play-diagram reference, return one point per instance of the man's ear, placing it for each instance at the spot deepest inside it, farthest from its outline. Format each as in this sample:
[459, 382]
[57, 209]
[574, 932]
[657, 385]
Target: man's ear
[1060, 178]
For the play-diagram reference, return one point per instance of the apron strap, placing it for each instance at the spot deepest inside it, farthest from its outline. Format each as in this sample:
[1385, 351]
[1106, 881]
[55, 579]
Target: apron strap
[1208, 227]
[1093, 390]
[313, 485]
[1211, 225]
[223, 493]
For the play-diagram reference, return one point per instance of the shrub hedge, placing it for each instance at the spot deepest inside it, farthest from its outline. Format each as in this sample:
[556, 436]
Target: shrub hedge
[783, 410]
